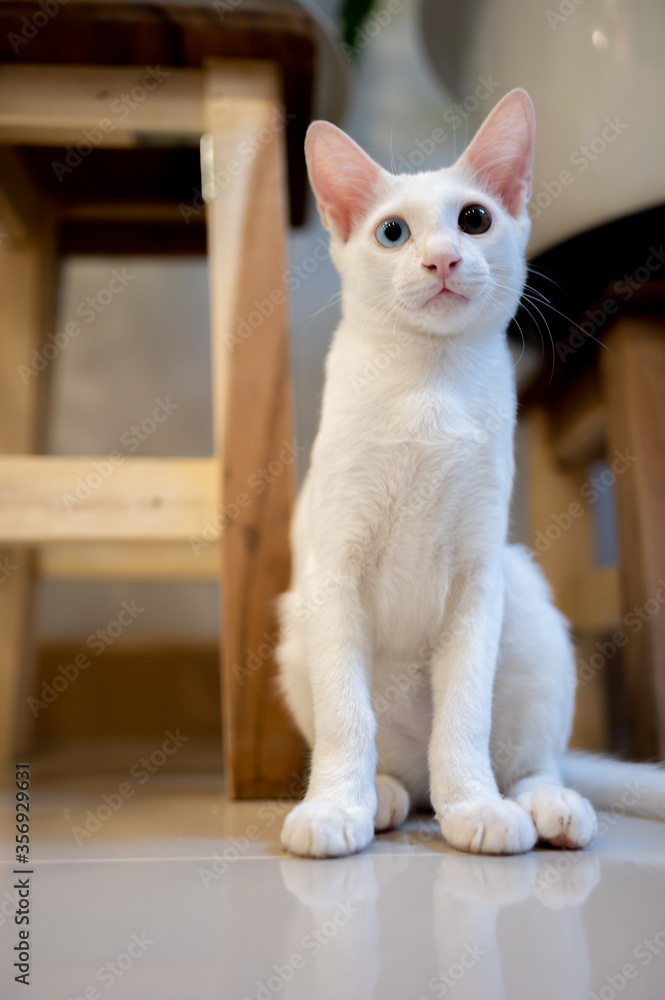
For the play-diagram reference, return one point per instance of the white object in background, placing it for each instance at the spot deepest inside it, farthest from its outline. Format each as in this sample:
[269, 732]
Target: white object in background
[596, 74]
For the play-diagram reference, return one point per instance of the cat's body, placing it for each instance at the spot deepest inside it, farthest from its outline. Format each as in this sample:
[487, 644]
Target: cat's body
[417, 645]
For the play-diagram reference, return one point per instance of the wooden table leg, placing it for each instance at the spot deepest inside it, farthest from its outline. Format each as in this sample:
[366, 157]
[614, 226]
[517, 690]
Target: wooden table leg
[560, 533]
[27, 279]
[244, 183]
[634, 376]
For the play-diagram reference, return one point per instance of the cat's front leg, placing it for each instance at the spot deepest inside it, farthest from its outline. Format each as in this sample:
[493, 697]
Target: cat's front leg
[473, 815]
[337, 815]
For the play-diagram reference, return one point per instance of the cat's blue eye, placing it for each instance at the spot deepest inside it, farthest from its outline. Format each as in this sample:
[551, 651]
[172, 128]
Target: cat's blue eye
[392, 233]
[474, 220]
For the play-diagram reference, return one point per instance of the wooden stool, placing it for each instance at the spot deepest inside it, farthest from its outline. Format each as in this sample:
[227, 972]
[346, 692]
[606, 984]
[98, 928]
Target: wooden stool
[609, 405]
[181, 73]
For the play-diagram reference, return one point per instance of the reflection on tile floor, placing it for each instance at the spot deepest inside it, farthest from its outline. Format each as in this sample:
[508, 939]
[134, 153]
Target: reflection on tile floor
[175, 892]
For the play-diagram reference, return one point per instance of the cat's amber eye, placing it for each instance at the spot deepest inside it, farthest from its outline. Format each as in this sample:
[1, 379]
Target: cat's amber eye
[392, 233]
[474, 220]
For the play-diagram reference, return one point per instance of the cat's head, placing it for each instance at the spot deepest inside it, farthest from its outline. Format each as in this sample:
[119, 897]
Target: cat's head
[441, 251]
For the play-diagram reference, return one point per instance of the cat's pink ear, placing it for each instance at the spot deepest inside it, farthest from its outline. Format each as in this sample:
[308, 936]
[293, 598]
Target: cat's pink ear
[500, 157]
[343, 177]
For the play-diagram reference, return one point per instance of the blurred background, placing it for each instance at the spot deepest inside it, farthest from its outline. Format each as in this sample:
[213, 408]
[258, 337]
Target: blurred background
[410, 80]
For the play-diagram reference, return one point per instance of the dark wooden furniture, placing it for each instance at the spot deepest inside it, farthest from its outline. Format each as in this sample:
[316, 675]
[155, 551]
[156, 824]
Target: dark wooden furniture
[103, 110]
[606, 401]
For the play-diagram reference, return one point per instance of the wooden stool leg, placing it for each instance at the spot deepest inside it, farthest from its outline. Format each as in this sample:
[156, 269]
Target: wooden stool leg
[245, 186]
[27, 275]
[634, 387]
[560, 534]
[16, 652]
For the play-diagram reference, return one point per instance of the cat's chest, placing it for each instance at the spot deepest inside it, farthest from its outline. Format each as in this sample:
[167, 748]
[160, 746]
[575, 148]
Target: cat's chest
[421, 522]
[435, 455]
[418, 475]
[421, 500]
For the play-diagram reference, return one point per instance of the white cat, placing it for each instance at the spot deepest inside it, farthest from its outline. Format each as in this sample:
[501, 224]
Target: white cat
[421, 656]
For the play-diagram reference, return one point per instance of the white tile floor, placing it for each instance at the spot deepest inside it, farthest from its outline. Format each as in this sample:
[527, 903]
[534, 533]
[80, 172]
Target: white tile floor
[180, 893]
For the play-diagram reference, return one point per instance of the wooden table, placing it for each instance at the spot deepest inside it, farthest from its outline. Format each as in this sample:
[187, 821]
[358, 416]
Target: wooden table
[119, 95]
[607, 401]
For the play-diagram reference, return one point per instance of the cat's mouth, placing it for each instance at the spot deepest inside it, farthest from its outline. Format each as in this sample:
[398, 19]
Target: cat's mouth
[448, 294]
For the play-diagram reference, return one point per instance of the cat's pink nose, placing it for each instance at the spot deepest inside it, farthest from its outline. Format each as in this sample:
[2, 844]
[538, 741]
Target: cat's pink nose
[442, 264]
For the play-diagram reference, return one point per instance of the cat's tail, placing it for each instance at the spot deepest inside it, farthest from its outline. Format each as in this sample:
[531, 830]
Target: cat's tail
[617, 786]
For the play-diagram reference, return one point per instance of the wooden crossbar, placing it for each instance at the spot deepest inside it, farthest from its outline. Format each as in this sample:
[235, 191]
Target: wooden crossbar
[113, 101]
[44, 498]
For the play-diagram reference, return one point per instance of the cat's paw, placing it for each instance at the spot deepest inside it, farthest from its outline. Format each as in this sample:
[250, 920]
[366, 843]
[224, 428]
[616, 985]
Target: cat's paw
[487, 826]
[326, 830]
[392, 800]
[561, 816]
